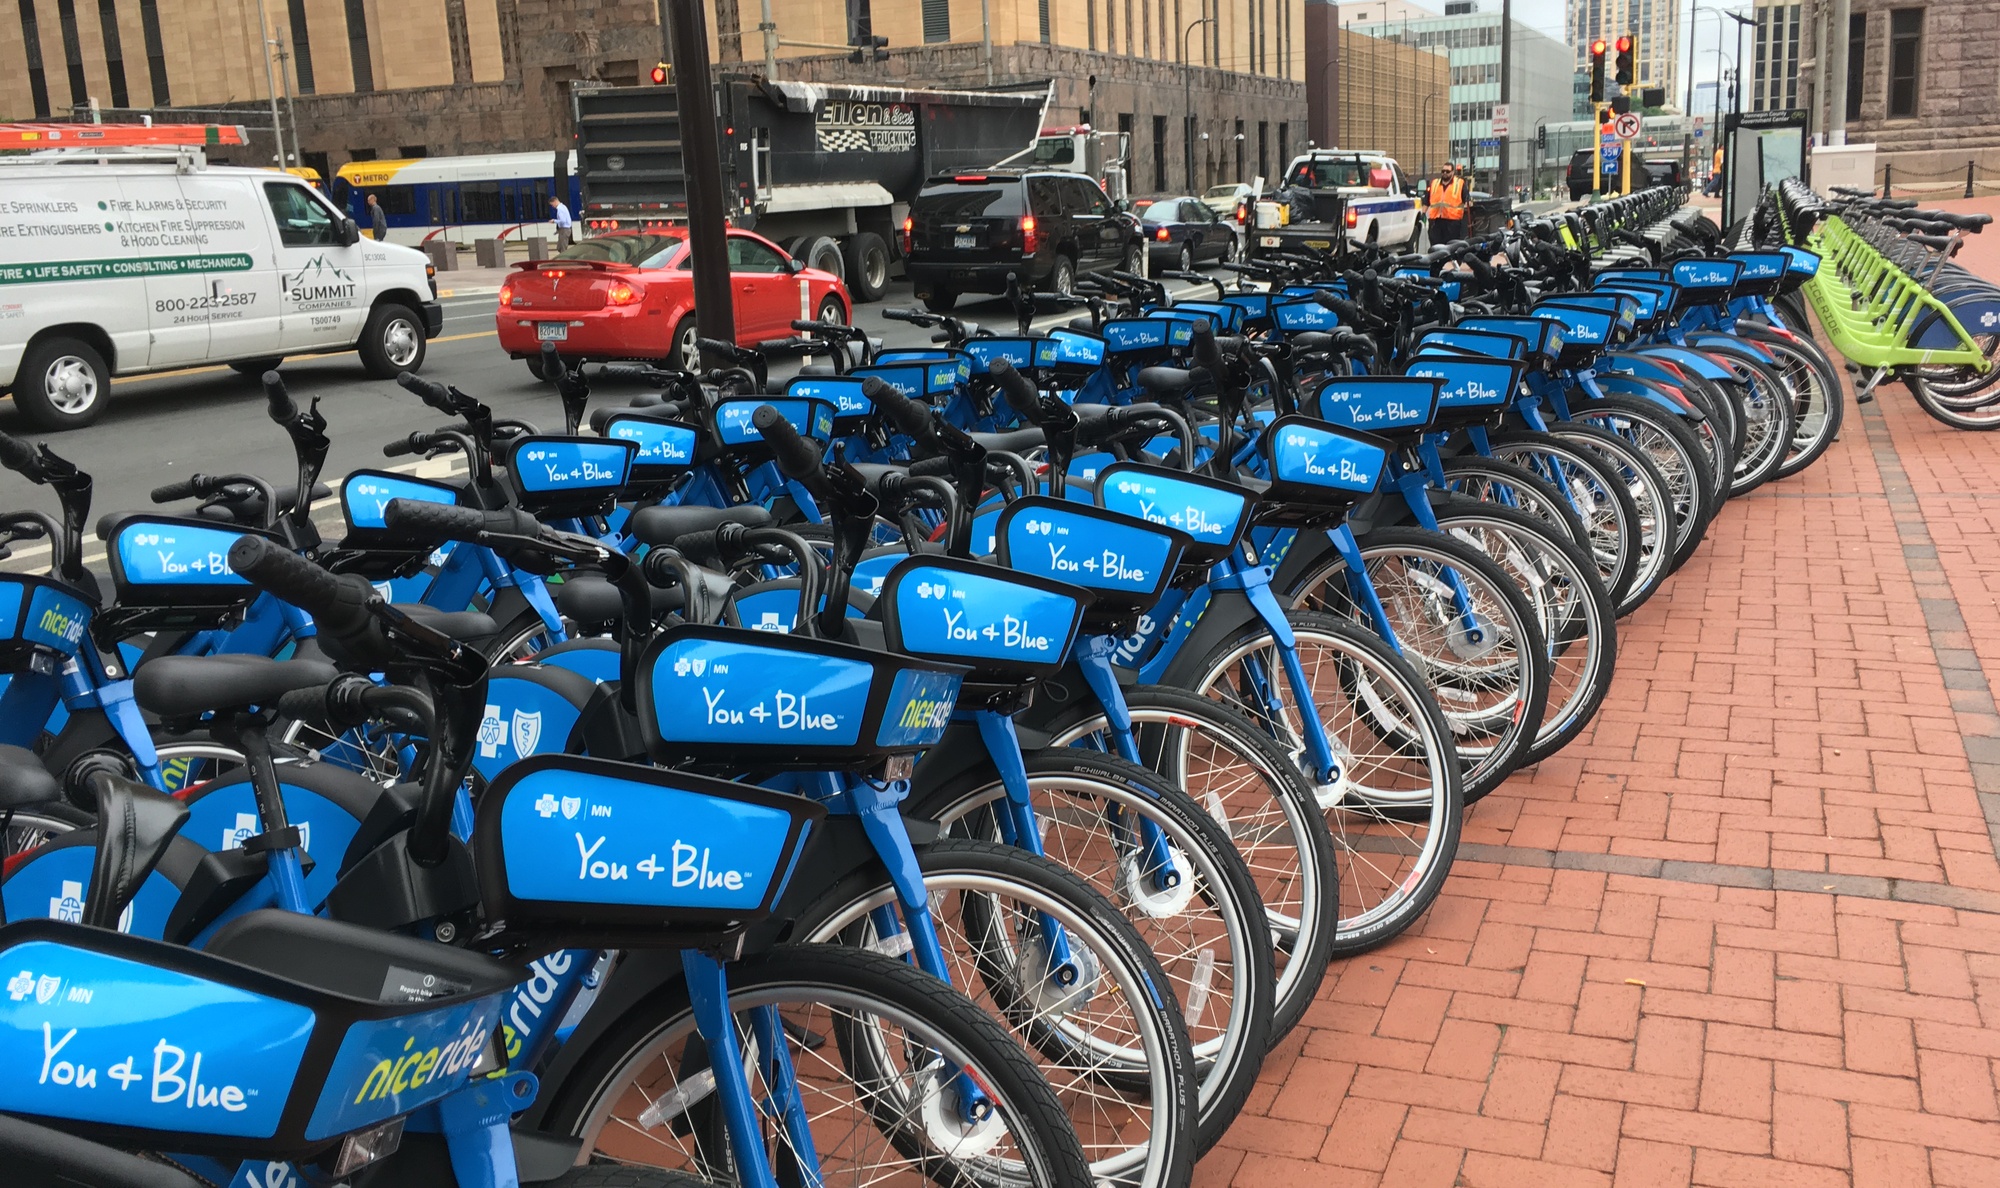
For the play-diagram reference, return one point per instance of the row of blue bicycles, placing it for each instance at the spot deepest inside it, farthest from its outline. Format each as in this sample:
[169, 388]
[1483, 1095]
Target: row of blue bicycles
[955, 765]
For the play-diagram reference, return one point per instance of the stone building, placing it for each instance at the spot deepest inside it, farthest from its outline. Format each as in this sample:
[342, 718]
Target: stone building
[368, 79]
[1367, 92]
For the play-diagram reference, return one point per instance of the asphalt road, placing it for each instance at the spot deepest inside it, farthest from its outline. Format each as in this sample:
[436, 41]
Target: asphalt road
[162, 428]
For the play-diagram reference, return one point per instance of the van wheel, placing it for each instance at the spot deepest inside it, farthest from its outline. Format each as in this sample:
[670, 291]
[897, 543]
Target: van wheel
[62, 384]
[256, 368]
[393, 341]
[867, 266]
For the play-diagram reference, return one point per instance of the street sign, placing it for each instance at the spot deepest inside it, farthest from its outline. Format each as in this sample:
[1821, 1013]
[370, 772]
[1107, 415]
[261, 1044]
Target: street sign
[1627, 125]
[1500, 119]
[1611, 153]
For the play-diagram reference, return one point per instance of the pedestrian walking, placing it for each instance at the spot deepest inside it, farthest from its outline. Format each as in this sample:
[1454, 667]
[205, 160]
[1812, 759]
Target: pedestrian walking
[1447, 206]
[378, 219]
[565, 225]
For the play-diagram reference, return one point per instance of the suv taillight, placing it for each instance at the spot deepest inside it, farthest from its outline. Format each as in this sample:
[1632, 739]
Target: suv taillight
[909, 233]
[1030, 240]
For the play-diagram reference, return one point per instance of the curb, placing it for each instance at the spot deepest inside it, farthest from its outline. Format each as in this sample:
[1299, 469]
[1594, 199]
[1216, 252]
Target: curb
[473, 292]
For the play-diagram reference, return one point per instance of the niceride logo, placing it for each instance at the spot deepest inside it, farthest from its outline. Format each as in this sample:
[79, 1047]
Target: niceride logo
[67, 626]
[318, 285]
[414, 1067]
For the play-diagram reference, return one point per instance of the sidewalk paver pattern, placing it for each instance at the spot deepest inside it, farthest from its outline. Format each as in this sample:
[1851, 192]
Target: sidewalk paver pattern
[1746, 930]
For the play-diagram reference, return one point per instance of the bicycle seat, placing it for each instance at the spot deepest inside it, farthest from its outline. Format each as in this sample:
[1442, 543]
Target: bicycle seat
[24, 782]
[1013, 441]
[250, 511]
[662, 525]
[182, 686]
[135, 825]
[458, 625]
[1173, 381]
[358, 962]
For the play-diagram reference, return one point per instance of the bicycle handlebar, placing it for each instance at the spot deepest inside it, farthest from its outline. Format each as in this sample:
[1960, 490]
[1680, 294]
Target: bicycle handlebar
[278, 401]
[22, 458]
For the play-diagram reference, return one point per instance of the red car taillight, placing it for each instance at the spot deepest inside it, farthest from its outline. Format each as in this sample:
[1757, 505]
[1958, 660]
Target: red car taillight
[1242, 213]
[622, 293]
[1030, 240]
[1352, 217]
[506, 296]
[909, 233]
[1162, 235]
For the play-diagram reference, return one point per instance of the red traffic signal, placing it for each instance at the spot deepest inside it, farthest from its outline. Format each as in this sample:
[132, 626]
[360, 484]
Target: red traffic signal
[659, 75]
[1622, 69]
[1597, 71]
[1624, 45]
[1597, 48]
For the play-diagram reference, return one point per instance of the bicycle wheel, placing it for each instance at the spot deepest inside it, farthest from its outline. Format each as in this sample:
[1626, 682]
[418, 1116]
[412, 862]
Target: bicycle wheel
[1114, 1049]
[1819, 402]
[1207, 929]
[876, 1046]
[1770, 413]
[1980, 411]
[1395, 804]
[1488, 672]
[1263, 802]
[1696, 488]
[1576, 616]
[1635, 476]
[1490, 480]
[1616, 542]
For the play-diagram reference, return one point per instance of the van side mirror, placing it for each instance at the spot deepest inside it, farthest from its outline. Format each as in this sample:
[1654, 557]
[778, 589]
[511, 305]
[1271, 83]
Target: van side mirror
[350, 232]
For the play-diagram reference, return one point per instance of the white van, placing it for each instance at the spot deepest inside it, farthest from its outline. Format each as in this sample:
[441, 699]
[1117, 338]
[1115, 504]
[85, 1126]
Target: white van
[113, 266]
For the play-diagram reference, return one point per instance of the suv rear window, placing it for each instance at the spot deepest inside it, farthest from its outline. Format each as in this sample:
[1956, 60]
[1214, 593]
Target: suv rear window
[966, 200]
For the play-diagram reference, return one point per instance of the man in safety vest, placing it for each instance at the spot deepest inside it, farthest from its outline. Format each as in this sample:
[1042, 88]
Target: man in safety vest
[1447, 209]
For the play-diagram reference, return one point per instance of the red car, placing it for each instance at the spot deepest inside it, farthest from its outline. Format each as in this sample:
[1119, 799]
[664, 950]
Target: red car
[629, 295]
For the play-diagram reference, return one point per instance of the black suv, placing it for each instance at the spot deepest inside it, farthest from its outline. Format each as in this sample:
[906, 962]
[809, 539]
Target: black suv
[967, 232]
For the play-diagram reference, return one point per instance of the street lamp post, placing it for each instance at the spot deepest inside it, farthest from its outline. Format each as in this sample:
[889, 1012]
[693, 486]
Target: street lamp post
[1429, 97]
[1537, 160]
[1187, 95]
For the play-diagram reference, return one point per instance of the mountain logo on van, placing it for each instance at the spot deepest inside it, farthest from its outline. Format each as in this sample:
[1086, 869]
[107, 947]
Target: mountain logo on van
[319, 285]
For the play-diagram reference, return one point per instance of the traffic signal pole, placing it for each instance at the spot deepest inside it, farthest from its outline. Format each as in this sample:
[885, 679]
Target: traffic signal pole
[701, 156]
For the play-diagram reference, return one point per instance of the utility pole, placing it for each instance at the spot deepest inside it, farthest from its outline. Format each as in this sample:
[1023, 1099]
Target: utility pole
[1506, 90]
[271, 84]
[708, 252]
[769, 29]
[1187, 96]
[985, 38]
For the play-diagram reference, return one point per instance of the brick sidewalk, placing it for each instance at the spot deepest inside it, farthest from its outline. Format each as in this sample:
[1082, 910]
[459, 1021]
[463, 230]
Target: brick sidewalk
[1746, 930]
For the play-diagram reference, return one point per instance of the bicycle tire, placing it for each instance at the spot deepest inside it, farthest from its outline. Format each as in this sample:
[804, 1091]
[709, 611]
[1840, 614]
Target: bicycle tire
[1559, 580]
[1451, 658]
[1119, 970]
[1413, 777]
[837, 979]
[1957, 413]
[1641, 482]
[1220, 898]
[1269, 812]
[1490, 480]
[1616, 539]
[1698, 488]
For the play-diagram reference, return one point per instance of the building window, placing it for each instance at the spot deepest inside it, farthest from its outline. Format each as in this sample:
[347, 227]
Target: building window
[156, 51]
[1285, 142]
[1857, 53]
[79, 89]
[357, 46]
[1159, 154]
[114, 52]
[1239, 150]
[302, 54]
[1906, 41]
[38, 81]
[1044, 7]
[937, 20]
[1264, 150]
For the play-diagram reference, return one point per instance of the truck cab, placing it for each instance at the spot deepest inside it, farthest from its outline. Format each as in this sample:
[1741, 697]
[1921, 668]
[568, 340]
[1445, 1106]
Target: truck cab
[1079, 148]
[1366, 193]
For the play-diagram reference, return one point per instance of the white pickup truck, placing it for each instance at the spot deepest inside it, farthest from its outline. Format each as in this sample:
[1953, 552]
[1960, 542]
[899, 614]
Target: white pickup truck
[1365, 195]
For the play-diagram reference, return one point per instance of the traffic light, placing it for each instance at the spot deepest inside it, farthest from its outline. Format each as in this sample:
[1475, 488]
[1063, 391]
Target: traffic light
[869, 48]
[660, 75]
[1541, 139]
[1621, 105]
[1624, 73]
[1597, 71]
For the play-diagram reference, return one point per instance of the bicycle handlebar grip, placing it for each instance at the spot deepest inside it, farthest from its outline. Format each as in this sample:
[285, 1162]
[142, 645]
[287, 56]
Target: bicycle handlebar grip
[412, 444]
[795, 456]
[904, 413]
[939, 467]
[308, 706]
[420, 520]
[278, 400]
[621, 371]
[1019, 390]
[435, 395]
[727, 350]
[20, 457]
[1206, 351]
[273, 568]
[173, 492]
[901, 313]
[552, 364]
